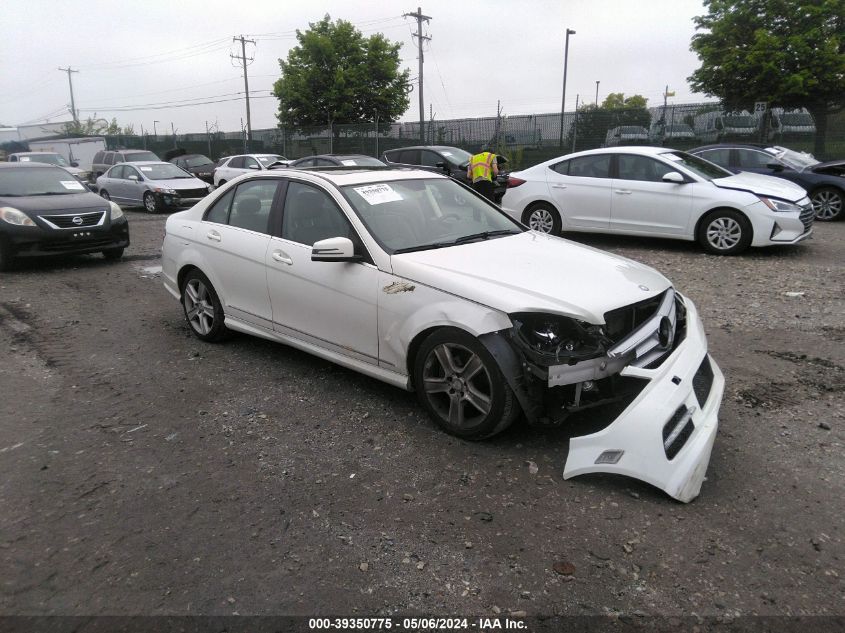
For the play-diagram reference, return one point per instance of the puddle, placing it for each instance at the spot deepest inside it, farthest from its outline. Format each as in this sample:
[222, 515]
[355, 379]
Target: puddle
[149, 272]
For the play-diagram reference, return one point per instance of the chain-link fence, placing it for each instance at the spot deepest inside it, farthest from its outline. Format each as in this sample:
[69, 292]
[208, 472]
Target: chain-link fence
[528, 139]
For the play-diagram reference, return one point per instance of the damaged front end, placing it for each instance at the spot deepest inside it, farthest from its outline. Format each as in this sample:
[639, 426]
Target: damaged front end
[639, 390]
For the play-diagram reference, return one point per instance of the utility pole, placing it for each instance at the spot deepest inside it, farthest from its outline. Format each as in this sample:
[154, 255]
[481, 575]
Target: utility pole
[143, 136]
[495, 144]
[243, 59]
[73, 113]
[563, 96]
[420, 37]
[575, 123]
[208, 136]
[430, 123]
[597, 92]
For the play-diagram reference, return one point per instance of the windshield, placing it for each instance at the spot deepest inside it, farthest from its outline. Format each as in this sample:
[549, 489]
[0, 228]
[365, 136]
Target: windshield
[456, 155]
[53, 159]
[35, 181]
[679, 129]
[739, 121]
[269, 160]
[163, 171]
[700, 167]
[797, 119]
[796, 160]
[411, 215]
[197, 161]
[136, 156]
[633, 129]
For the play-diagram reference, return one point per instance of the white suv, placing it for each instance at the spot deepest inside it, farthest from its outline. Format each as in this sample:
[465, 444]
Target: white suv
[234, 166]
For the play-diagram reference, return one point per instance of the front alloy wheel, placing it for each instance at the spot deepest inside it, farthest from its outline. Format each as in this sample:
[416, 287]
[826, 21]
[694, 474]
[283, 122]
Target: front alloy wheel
[461, 386]
[203, 309]
[725, 232]
[150, 203]
[542, 218]
[827, 204]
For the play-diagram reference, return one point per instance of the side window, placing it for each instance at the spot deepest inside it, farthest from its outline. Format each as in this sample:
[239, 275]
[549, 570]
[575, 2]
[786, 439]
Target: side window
[98, 157]
[237, 162]
[179, 162]
[410, 156]
[109, 158]
[323, 162]
[219, 211]
[311, 215]
[251, 163]
[310, 162]
[13, 159]
[597, 166]
[721, 157]
[632, 167]
[131, 171]
[117, 172]
[562, 168]
[755, 160]
[429, 158]
[392, 157]
[251, 205]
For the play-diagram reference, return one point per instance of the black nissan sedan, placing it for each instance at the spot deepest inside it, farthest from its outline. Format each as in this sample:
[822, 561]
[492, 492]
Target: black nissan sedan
[46, 211]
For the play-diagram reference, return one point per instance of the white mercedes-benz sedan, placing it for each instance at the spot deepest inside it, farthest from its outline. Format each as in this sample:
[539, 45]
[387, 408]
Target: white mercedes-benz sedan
[415, 280]
[659, 192]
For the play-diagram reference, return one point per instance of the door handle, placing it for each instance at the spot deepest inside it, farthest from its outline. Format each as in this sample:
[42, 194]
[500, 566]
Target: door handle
[279, 256]
[624, 192]
[558, 186]
[213, 235]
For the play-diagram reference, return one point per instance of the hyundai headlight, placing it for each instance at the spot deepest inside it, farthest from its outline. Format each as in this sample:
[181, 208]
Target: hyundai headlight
[16, 217]
[552, 337]
[781, 206]
[116, 211]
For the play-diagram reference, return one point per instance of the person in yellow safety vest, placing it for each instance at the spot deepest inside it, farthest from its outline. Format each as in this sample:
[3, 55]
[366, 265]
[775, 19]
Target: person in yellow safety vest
[480, 172]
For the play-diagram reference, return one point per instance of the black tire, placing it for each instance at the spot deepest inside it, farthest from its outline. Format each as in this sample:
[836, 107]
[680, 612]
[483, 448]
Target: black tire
[542, 217]
[725, 232]
[105, 194]
[113, 253]
[202, 308]
[828, 204]
[150, 203]
[461, 386]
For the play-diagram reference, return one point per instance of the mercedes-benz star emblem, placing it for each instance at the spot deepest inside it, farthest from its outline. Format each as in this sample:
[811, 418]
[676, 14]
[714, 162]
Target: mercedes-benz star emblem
[77, 220]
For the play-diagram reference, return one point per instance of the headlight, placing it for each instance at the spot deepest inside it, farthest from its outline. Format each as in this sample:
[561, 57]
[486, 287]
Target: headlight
[164, 190]
[116, 211]
[563, 339]
[779, 205]
[13, 216]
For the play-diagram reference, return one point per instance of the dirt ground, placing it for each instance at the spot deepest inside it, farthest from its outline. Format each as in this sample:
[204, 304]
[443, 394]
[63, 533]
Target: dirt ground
[145, 472]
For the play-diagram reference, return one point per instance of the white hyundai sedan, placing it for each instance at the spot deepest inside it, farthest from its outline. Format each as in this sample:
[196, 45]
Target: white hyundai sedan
[413, 279]
[659, 192]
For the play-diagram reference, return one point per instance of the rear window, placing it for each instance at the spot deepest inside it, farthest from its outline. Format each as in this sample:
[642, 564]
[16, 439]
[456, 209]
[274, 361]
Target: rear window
[135, 156]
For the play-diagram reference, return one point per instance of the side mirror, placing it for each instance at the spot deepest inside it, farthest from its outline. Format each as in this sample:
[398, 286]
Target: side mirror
[334, 249]
[675, 177]
[133, 177]
[775, 166]
[443, 166]
[74, 163]
[254, 167]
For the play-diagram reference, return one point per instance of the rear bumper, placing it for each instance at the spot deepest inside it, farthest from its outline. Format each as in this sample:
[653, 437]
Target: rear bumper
[637, 438]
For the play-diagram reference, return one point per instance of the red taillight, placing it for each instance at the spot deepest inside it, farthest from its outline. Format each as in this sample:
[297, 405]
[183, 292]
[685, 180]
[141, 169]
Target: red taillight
[514, 182]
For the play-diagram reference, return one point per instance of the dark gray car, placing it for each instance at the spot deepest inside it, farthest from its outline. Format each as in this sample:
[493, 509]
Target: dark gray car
[103, 160]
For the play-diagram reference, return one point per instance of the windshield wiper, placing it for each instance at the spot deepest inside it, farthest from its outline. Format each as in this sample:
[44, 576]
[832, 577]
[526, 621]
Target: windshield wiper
[485, 235]
[423, 247]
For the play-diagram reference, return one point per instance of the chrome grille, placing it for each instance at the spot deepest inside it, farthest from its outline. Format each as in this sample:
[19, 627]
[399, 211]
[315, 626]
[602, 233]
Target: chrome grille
[74, 220]
[655, 336]
[807, 216]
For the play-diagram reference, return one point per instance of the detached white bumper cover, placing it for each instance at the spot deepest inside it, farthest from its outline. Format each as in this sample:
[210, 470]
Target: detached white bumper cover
[664, 437]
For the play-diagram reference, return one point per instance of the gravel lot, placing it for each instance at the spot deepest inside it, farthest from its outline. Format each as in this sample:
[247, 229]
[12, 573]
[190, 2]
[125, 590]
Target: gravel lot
[145, 472]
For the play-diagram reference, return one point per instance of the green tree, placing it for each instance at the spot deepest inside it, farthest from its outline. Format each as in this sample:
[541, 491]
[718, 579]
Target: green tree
[789, 53]
[592, 123]
[336, 74]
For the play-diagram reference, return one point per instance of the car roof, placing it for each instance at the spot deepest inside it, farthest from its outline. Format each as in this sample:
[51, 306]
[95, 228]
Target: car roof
[436, 147]
[645, 150]
[28, 165]
[31, 153]
[355, 175]
[144, 162]
[732, 145]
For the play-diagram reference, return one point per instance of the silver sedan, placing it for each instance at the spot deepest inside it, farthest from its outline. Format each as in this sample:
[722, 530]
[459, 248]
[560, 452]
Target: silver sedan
[154, 185]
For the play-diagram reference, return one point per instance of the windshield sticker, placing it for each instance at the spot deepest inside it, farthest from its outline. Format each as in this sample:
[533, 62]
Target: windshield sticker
[72, 185]
[348, 163]
[24, 159]
[378, 194]
[146, 168]
[446, 153]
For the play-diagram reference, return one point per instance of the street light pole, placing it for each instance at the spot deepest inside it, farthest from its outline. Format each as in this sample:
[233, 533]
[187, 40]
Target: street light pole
[563, 97]
[597, 93]
[155, 133]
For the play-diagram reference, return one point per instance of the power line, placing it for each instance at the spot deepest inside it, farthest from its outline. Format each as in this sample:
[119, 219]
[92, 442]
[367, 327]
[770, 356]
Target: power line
[184, 105]
[175, 103]
[196, 49]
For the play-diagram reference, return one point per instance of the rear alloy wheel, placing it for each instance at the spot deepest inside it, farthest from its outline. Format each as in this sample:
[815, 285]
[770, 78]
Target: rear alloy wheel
[105, 194]
[203, 309]
[725, 232]
[150, 203]
[461, 386]
[542, 218]
[827, 203]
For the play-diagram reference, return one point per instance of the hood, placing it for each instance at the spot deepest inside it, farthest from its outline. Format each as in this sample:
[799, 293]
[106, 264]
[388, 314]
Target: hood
[180, 183]
[834, 167]
[762, 185]
[534, 272]
[82, 202]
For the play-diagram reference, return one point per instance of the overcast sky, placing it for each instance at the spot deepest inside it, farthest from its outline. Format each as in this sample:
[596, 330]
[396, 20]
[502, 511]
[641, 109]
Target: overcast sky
[157, 53]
